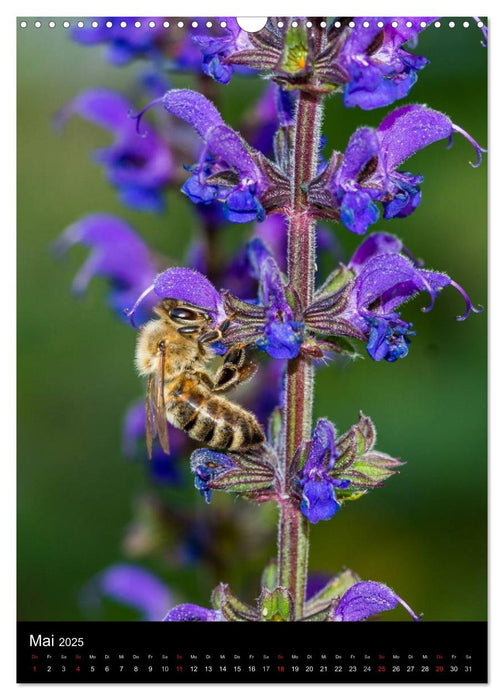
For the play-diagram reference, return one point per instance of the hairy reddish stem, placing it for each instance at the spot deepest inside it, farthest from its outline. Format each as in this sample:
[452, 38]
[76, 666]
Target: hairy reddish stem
[301, 266]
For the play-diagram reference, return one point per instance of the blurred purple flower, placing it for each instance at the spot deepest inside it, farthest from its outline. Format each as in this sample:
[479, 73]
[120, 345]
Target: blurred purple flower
[367, 598]
[377, 70]
[132, 586]
[165, 469]
[138, 165]
[319, 500]
[188, 612]
[117, 253]
[368, 171]
[124, 43]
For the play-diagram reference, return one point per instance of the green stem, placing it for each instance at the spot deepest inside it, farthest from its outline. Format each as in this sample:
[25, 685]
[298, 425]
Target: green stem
[293, 527]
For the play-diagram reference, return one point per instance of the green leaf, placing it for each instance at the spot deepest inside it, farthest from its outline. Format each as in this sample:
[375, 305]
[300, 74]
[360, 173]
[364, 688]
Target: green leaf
[333, 590]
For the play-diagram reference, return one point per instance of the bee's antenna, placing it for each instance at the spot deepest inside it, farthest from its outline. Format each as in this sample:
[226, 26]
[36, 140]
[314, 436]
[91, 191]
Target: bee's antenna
[131, 313]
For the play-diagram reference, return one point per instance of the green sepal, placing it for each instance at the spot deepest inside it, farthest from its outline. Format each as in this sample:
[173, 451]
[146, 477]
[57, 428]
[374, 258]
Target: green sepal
[295, 50]
[276, 605]
[333, 590]
[232, 608]
[252, 472]
[366, 468]
[337, 279]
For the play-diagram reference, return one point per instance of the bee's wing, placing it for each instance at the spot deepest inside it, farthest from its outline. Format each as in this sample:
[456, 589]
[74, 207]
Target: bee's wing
[155, 412]
[162, 425]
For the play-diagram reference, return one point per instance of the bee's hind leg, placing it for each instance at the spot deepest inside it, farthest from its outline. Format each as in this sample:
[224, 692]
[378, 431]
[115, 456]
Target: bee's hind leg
[234, 370]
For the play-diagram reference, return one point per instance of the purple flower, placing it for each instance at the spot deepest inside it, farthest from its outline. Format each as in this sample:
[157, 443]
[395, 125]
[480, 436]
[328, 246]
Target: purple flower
[368, 171]
[132, 586]
[282, 335]
[217, 45]
[124, 43]
[206, 465]
[138, 165]
[188, 612]
[228, 169]
[367, 598]
[187, 285]
[163, 468]
[319, 500]
[117, 253]
[386, 279]
[377, 70]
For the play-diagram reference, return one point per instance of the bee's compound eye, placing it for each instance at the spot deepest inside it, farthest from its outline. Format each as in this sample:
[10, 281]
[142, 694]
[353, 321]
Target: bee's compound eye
[162, 345]
[181, 313]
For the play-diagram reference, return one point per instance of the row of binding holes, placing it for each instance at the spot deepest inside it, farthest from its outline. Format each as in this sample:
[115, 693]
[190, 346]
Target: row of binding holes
[123, 24]
[80, 24]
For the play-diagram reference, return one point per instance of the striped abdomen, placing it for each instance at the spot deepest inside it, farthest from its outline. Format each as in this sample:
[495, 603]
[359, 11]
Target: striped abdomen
[210, 418]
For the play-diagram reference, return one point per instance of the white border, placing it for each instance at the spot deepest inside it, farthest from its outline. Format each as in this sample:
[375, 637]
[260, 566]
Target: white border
[7, 281]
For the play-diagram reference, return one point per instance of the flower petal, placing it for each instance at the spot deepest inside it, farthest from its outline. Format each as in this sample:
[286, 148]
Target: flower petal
[367, 598]
[131, 585]
[189, 286]
[409, 129]
[375, 244]
[188, 612]
[194, 109]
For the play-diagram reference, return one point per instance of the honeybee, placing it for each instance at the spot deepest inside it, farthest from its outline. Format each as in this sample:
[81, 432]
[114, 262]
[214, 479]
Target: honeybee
[172, 352]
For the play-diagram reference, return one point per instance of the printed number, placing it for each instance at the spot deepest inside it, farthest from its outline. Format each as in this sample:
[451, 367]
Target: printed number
[425, 669]
[323, 669]
[295, 668]
[223, 669]
[208, 669]
[308, 669]
[453, 669]
[71, 642]
[468, 669]
[92, 669]
[410, 669]
[106, 669]
[382, 669]
[338, 669]
[49, 669]
[396, 669]
[165, 669]
[194, 669]
[251, 669]
[366, 669]
[439, 669]
[352, 669]
[237, 669]
[135, 669]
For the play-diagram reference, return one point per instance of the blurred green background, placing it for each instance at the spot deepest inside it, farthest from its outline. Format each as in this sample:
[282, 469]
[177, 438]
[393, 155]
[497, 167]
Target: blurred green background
[424, 533]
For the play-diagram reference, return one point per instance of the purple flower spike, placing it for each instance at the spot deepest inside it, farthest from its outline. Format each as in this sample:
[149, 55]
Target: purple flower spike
[319, 500]
[133, 586]
[118, 254]
[367, 598]
[188, 612]
[139, 166]
[368, 172]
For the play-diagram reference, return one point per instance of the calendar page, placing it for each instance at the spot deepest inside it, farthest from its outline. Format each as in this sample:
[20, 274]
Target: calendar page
[252, 349]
